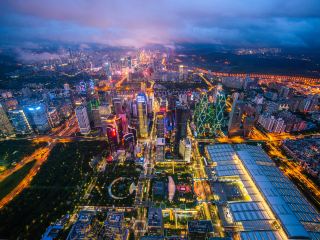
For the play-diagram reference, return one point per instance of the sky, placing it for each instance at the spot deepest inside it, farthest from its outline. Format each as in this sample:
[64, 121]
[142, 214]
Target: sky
[241, 23]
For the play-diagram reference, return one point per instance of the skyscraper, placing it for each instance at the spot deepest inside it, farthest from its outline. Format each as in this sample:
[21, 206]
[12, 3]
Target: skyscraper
[53, 117]
[6, 128]
[181, 120]
[37, 114]
[107, 67]
[19, 121]
[83, 119]
[142, 115]
[220, 101]
[117, 105]
[235, 116]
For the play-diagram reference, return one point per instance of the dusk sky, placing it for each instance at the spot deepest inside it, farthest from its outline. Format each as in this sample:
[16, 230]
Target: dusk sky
[267, 23]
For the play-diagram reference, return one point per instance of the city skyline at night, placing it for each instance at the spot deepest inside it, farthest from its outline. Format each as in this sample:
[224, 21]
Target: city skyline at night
[160, 120]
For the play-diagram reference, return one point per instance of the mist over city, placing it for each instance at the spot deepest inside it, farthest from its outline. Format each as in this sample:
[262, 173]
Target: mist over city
[159, 120]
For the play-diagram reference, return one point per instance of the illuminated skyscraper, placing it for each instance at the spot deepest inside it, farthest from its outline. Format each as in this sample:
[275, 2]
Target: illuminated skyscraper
[37, 114]
[117, 105]
[181, 120]
[6, 128]
[220, 102]
[53, 117]
[235, 116]
[142, 115]
[204, 115]
[83, 119]
[107, 67]
[19, 121]
[183, 72]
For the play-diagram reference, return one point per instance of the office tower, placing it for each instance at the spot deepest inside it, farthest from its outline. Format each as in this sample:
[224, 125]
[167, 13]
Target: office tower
[53, 117]
[117, 105]
[204, 116]
[181, 121]
[19, 121]
[142, 115]
[37, 113]
[113, 130]
[183, 72]
[220, 102]
[235, 116]
[119, 127]
[185, 149]
[150, 105]
[113, 137]
[94, 113]
[134, 109]
[124, 122]
[248, 124]
[83, 119]
[6, 128]
[129, 142]
[134, 132]
[107, 67]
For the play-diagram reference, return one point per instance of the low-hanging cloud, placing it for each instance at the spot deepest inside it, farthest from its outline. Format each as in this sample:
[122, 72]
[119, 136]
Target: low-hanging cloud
[140, 22]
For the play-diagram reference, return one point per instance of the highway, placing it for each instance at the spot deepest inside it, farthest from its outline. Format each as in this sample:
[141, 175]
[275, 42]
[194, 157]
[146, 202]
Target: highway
[40, 155]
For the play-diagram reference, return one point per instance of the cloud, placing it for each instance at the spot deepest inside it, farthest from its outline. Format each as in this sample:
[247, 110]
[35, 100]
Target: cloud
[140, 22]
[31, 56]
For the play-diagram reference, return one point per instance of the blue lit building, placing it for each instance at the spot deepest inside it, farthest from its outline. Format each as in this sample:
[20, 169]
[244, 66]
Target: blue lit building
[19, 121]
[37, 114]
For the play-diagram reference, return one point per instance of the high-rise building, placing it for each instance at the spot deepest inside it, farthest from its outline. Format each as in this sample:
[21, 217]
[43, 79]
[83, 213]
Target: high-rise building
[6, 128]
[124, 122]
[117, 105]
[271, 123]
[181, 121]
[183, 72]
[284, 91]
[185, 149]
[235, 116]
[107, 67]
[204, 115]
[94, 112]
[113, 128]
[83, 119]
[37, 113]
[142, 114]
[248, 124]
[308, 104]
[220, 102]
[19, 121]
[129, 142]
[53, 117]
